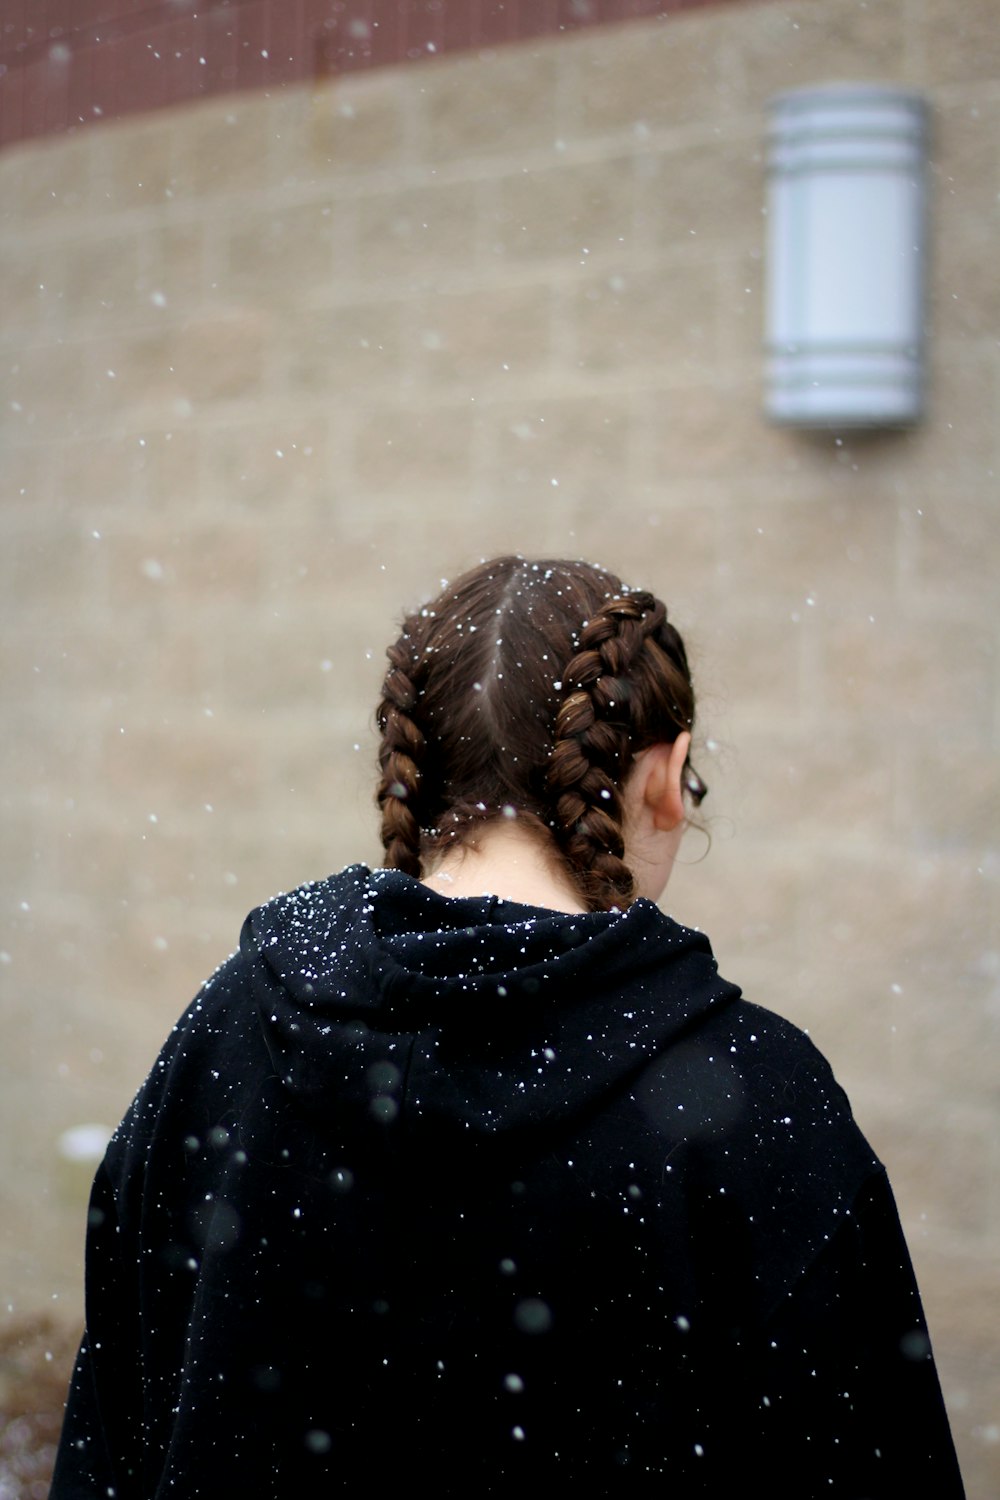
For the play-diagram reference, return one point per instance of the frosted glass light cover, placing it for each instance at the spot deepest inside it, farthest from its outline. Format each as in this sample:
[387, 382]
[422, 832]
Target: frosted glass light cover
[845, 266]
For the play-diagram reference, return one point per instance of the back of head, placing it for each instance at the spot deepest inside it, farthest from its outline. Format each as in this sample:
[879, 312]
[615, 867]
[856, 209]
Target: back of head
[525, 689]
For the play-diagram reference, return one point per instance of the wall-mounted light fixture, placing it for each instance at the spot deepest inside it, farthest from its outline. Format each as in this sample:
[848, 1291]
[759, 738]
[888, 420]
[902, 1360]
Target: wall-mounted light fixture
[845, 258]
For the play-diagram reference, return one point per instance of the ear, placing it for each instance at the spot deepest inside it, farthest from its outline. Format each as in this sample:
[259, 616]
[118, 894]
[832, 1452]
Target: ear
[664, 791]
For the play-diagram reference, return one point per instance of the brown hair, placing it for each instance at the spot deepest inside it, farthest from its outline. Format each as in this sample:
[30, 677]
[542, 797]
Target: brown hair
[525, 689]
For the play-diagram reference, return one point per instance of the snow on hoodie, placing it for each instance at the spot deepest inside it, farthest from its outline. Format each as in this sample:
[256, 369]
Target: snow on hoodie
[475, 1195]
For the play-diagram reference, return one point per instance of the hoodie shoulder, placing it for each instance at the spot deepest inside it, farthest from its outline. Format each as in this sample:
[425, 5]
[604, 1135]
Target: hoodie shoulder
[288, 909]
[209, 1053]
[748, 1062]
[297, 934]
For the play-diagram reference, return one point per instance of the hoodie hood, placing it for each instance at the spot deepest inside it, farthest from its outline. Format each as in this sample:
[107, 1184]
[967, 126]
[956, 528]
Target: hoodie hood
[479, 1015]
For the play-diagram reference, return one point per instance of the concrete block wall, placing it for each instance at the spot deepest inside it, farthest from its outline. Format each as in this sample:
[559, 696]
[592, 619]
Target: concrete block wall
[271, 366]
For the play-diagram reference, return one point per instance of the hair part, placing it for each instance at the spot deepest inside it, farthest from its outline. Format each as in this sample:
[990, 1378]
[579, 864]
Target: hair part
[526, 689]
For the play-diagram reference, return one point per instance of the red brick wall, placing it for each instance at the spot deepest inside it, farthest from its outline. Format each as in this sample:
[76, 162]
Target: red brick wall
[65, 63]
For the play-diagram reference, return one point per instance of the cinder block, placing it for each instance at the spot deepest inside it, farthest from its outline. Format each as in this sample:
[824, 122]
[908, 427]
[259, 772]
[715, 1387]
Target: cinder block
[72, 566]
[327, 770]
[350, 124]
[331, 568]
[165, 760]
[284, 252]
[418, 451]
[738, 306]
[43, 383]
[573, 215]
[964, 164]
[956, 443]
[169, 371]
[12, 171]
[188, 655]
[957, 1290]
[498, 518]
[649, 75]
[95, 478]
[417, 232]
[964, 299]
[497, 335]
[26, 482]
[276, 459]
[138, 862]
[703, 197]
[958, 47]
[778, 48]
[660, 316]
[133, 161]
[179, 281]
[134, 369]
[185, 558]
[47, 946]
[48, 765]
[154, 961]
[951, 1036]
[103, 288]
[32, 288]
[716, 431]
[554, 450]
[34, 671]
[949, 794]
[762, 660]
[663, 544]
[911, 674]
[222, 147]
[838, 785]
[169, 467]
[837, 554]
[216, 357]
[54, 178]
[889, 916]
[336, 352]
[269, 680]
[756, 934]
[850, 1016]
[953, 549]
[500, 103]
[942, 1182]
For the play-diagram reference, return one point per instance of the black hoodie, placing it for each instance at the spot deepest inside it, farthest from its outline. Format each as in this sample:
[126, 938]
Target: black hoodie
[467, 1195]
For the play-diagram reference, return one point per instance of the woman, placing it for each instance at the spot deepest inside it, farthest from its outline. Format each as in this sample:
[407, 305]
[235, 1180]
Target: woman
[471, 1172]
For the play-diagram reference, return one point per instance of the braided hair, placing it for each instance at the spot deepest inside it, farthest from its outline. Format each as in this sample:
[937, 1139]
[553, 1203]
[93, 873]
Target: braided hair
[525, 690]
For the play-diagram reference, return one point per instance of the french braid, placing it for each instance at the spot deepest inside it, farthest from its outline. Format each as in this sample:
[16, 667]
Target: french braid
[478, 722]
[595, 743]
[401, 753]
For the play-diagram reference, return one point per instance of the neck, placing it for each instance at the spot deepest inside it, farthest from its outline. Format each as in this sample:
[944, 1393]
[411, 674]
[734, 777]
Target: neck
[505, 860]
